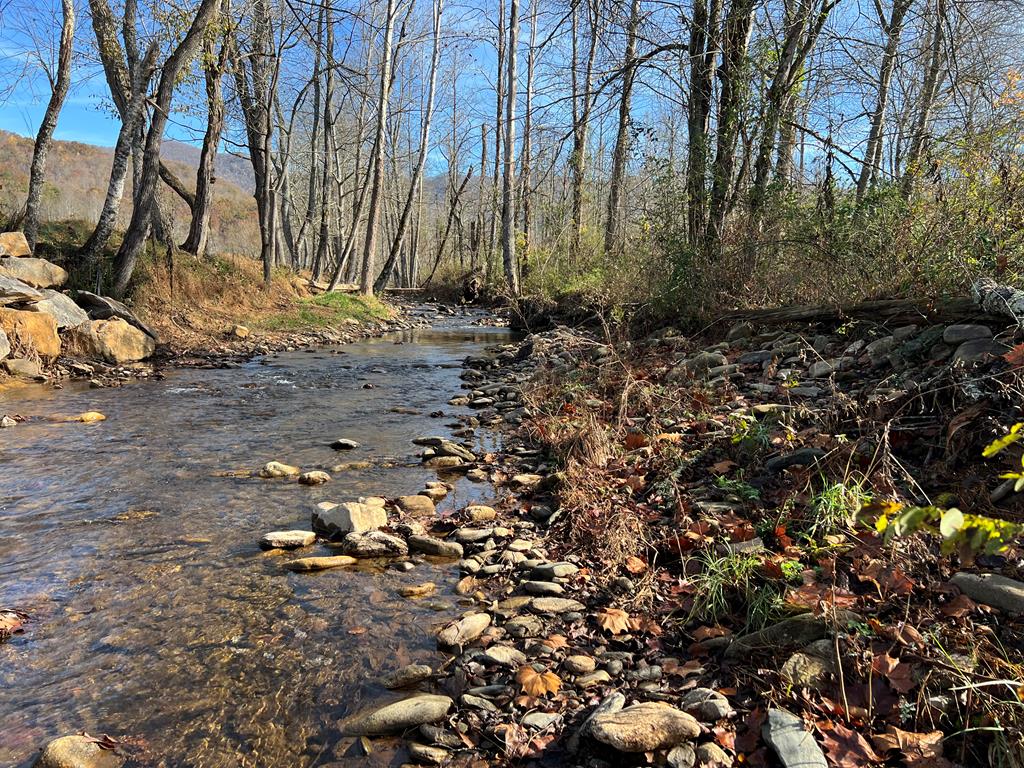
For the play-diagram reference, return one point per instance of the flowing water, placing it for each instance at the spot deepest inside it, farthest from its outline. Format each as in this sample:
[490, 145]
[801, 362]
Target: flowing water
[155, 615]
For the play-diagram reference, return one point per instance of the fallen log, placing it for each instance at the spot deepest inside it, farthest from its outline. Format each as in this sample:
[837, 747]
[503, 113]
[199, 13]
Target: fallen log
[882, 310]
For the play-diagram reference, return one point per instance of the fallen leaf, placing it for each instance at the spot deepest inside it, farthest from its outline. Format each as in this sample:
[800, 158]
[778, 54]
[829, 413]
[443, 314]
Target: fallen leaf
[536, 683]
[723, 467]
[700, 634]
[614, 620]
[10, 622]
[636, 440]
[887, 578]
[635, 565]
[919, 750]
[1015, 356]
[555, 642]
[959, 606]
[847, 748]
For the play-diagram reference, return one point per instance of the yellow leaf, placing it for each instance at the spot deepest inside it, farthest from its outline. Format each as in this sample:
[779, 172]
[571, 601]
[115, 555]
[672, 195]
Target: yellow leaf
[536, 683]
[615, 620]
[1004, 442]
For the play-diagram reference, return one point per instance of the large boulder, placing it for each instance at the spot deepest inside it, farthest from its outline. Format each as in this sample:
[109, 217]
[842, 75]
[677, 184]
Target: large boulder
[104, 308]
[13, 291]
[39, 273]
[61, 308]
[114, 341]
[32, 331]
[336, 520]
[14, 244]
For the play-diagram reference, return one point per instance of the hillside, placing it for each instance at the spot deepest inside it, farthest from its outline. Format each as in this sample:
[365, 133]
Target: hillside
[76, 183]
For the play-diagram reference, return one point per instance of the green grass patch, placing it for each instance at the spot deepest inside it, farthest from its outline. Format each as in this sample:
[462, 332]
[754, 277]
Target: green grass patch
[328, 310]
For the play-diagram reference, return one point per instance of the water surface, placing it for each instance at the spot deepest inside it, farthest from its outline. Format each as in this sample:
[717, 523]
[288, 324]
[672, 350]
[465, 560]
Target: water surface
[155, 614]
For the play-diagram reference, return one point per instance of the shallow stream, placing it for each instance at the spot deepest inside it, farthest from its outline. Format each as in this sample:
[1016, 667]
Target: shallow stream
[155, 615]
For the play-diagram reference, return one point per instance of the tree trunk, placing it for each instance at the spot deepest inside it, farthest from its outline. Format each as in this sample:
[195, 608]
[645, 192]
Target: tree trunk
[932, 79]
[377, 180]
[406, 215]
[703, 55]
[135, 235]
[508, 218]
[44, 138]
[620, 153]
[526, 187]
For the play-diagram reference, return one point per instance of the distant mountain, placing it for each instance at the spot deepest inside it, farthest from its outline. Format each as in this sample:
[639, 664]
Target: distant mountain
[235, 169]
[76, 184]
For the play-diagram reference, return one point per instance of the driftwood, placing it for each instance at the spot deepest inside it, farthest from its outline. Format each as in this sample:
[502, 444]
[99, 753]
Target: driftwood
[883, 310]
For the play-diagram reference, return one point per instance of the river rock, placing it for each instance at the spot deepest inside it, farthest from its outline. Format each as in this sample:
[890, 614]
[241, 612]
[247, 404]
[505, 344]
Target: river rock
[784, 732]
[427, 753]
[505, 656]
[480, 513]
[681, 756]
[31, 331]
[373, 544]
[418, 590]
[551, 571]
[61, 308]
[14, 244]
[710, 755]
[707, 705]
[804, 670]
[580, 665]
[240, 332]
[304, 564]
[613, 702]
[114, 341]
[464, 630]
[22, 368]
[5, 345]
[287, 539]
[793, 632]
[396, 717]
[552, 605]
[76, 752]
[992, 589]
[335, 520]
[316, 477]
[13, 291]
[958, 334]
[277, 469]
[39, 273]
[105, 308]
[344, 444]
[644, 727]
[526, 481]
[978, 351]
[416, 505]
[406, 676]
[443, 462]
[428, 545]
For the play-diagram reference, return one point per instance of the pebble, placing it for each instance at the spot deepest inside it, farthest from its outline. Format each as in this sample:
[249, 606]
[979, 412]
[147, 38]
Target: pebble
[344, 444]
[277, 469]
[428, 545]
[580, 665]
[304, 564]
[644, 727]
[316, 477]
[407, 676]
[553, 605]
[398, 716]
[464, 630]
[424, 753]
[287, 539]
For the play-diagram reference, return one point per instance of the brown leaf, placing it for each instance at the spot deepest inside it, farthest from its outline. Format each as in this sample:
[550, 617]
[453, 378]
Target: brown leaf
[636, 440]
[635, 564]
[10, 622]
[887, 578]
[614, 620]
[847, 748]
[700, 634]
[555, 642]
[919, 750]
[809, 596]
[536, 683]
[1015, 356]
[899, 673]
[723, 467]
[959, 606]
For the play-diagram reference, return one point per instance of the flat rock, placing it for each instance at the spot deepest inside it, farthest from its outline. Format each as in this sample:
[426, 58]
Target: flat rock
[992, 589]
[428, 545]
[644, 727]
[407, 676]
[555, 605]
[464, 630]
[61, 308]
[795, 747]
[706, 704]
[76, 752]
[14, 291]
[505, 656]
[373, 544]
[793, 632]
[416, 505]
[336, 520]
[396, 717]
[958, 334]
[480, 513]
[549, 571]
[287, 539]
[22, 368]
[979, 351]
[39, 273]
[428, 754]
[306, 564]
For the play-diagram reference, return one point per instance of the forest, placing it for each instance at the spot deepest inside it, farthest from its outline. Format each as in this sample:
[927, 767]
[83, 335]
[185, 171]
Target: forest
[686, 155]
